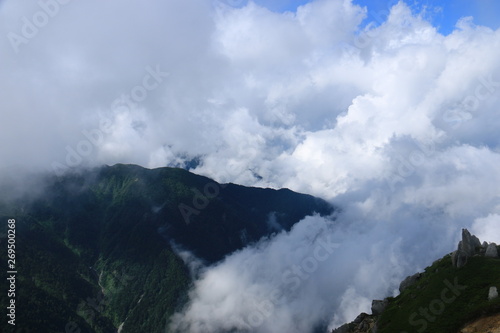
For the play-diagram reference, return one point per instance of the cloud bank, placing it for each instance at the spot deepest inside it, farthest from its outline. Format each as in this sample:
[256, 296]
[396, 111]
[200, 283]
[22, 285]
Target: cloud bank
[392, 121]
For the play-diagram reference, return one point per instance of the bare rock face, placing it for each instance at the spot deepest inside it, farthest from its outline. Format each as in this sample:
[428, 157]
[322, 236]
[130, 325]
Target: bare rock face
[364, 323]
[379, 306]
[491, 251]
[467, 247]
[409, 281]
[346, 328]
[493, 293]
[470, 243]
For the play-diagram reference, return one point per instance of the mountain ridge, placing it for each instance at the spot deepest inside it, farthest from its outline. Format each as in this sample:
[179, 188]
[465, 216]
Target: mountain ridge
[94, 250]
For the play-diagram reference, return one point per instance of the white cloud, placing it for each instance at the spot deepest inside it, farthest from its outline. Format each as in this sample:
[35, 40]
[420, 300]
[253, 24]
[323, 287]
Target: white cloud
[486, 228]
[395, 123]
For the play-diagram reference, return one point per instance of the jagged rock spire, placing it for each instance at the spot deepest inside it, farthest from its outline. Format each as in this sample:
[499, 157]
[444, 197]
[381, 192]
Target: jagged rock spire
[469, 246]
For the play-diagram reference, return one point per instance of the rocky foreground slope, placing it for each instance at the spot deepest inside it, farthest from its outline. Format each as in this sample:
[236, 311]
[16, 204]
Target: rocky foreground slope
[456, 294]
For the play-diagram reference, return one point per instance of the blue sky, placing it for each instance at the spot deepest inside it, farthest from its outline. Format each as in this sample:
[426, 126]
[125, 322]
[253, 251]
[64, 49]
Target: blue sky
[445, 13]
[442, 13]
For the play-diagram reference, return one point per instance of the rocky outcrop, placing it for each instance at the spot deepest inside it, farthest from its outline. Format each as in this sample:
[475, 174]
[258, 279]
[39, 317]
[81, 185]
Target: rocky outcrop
[379, 306]
[364, 323]
[470, 243]
[467, 247]
[346, 328]
[409, 281]
[491, 251]
[492, 293]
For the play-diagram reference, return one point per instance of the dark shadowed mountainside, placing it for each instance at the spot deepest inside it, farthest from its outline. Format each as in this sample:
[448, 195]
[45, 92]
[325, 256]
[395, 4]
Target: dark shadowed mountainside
[95, 251]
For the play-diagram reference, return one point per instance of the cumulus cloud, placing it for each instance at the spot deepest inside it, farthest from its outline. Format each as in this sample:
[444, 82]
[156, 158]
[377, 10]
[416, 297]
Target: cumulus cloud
[269, 287]
[392, 121]
[486, 228]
